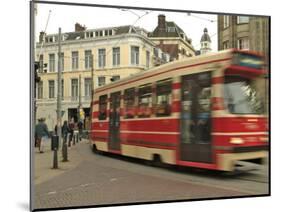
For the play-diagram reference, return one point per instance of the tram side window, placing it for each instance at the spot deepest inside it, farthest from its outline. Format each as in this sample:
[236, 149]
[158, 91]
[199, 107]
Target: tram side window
[129, 103]
[145, 101]
[163, 97]
[204, 93]
[102, 107]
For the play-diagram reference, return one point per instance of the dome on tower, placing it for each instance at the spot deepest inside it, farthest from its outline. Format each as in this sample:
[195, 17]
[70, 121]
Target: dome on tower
[205, 36]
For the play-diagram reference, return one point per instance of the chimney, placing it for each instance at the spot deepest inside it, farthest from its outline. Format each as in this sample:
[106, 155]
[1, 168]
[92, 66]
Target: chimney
[41, 36]
[161, 22]
[79, 27]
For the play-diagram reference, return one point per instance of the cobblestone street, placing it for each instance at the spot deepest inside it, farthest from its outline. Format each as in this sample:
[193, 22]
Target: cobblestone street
[90, 179]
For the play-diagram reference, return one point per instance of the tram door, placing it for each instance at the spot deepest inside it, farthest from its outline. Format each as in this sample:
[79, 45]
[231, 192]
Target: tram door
[114, 121]
[195, 121]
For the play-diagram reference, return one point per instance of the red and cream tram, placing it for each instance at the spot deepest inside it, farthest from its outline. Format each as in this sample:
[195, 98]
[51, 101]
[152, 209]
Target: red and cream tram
[204, 111]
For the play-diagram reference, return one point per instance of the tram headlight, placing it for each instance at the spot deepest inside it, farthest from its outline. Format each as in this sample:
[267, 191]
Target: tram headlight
[235, 140]
[264, 139]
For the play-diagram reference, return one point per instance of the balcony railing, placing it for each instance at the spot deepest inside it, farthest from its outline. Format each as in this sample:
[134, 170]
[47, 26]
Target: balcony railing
[65, 99]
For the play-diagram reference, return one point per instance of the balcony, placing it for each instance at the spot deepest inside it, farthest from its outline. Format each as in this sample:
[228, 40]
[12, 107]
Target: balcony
[65, 100]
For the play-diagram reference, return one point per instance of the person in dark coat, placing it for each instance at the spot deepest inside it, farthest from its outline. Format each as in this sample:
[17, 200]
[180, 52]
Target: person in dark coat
[42, 133]
[71, 131]
[64, 130]
[80, 129]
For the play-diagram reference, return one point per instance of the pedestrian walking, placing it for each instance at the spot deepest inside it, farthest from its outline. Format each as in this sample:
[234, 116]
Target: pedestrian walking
[71, 131]
[64, 131]
[80, 129]
[42, 133]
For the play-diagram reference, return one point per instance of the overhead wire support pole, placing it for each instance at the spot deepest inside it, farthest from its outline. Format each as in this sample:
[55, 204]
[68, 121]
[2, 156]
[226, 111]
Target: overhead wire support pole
[59, 98]
[92, 97]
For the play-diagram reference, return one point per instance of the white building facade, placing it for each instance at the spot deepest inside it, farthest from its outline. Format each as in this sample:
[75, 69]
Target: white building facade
[117, 52]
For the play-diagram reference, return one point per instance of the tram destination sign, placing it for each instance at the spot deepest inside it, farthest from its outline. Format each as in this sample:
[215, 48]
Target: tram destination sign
[248, 60]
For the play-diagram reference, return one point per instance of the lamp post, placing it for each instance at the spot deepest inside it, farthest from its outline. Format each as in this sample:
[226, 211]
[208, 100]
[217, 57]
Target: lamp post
[92, 95]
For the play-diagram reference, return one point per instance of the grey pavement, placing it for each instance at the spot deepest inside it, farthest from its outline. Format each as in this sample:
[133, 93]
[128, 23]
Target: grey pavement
[90, 179]
[43, 163]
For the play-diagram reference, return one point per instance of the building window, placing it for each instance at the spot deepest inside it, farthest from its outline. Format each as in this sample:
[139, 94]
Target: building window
[74, 89]
[101, 81]
[52, 62]
[88, 59]
[116, 56]
[115, 78]
[41, 63]
[40, 90]
[225, 21]
[102, 107]
[89, 34]
[163, 57]
[129, 103]
[145, 101]
[88, 87]
[163, 97]
[102, 59]
[155, 52]
[51, 89]
[62, 61]
[243, 43]
[75, 59]
[171, 29]
[147, 59]
[225, 45]
[134, 55]
[242, 19]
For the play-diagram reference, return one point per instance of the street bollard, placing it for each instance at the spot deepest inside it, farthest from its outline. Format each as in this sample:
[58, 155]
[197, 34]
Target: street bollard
[69, 140]
[55, 161]
[73, 140]
[64, 149]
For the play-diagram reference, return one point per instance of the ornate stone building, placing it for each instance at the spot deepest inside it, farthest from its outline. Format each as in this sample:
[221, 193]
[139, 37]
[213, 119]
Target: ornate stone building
[117, 52]
[244, 32]
[171, 39]
[205, 42]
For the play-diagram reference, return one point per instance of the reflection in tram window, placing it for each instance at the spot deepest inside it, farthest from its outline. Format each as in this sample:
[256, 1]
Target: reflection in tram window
[102, 107]
[163, 97]
[196, 108]
[187, 123]
[204, 99]
[129, 103]
[145, 101]
[241, 96]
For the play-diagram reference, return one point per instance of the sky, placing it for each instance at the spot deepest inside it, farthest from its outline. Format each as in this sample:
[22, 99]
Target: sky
[65, 16]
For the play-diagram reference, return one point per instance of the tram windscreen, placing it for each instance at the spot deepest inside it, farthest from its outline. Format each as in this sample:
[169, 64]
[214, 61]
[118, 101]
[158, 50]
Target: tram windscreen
[241, 96]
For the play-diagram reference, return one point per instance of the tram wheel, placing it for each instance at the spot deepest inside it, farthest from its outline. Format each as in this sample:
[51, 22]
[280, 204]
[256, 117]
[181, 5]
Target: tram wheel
[157, 161]
[94, 149]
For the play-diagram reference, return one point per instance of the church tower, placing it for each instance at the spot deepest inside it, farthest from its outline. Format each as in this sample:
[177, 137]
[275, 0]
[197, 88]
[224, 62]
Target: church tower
[205, 43]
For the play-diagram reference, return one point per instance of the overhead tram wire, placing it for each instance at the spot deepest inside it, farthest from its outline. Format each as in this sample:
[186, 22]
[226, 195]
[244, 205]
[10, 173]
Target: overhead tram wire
[198, 17]
[41, 47]
[204, 19]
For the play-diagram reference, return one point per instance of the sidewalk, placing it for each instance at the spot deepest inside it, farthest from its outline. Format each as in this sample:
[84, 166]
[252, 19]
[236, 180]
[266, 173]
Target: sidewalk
[43, 162]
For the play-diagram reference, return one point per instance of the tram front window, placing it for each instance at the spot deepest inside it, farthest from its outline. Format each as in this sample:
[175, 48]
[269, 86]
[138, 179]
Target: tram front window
[242, 96]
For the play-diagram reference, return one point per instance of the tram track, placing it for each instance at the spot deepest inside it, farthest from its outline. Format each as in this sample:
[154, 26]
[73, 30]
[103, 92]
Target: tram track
[251, 182]
[252, 178]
